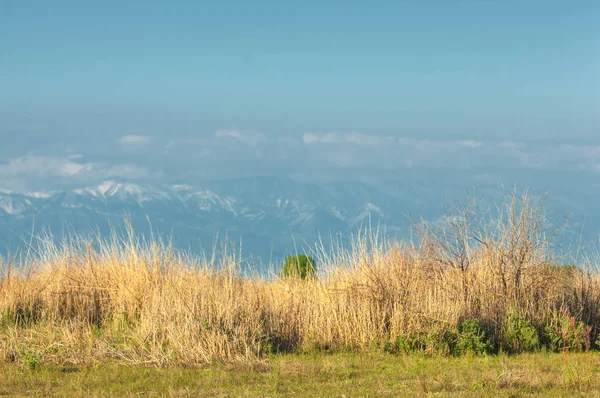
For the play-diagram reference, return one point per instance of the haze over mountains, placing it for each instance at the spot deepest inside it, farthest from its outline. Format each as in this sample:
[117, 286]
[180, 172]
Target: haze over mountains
[269, 216]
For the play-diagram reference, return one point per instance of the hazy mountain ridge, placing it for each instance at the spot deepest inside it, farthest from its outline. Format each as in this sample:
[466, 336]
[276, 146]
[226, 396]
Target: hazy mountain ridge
[268, 214]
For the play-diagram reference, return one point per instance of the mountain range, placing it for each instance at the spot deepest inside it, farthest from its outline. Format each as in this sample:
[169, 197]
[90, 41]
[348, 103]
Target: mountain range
[269, 217]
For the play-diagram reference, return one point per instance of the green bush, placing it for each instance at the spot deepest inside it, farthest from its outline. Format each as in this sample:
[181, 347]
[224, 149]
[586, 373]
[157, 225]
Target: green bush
[30, 358]
[437, 340]
[403, 345]
[300, 266]
[564, 333]
[470, 339]
[519, 335]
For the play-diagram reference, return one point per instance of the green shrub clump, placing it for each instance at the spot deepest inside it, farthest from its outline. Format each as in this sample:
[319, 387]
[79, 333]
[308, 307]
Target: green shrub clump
[471, 339]
[519, 335]
[564, 333]
[300, 266]
[438, 340]
[466, 338]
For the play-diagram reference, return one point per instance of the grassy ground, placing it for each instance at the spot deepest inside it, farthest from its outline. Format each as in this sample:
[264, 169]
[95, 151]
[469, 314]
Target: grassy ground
[321, 375]
[155, 321]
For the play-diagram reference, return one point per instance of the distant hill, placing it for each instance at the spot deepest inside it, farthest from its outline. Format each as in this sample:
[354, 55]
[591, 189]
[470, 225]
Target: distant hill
[270, 216]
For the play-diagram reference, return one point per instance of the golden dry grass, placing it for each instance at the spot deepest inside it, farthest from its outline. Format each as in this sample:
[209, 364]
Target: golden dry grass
[144, 303]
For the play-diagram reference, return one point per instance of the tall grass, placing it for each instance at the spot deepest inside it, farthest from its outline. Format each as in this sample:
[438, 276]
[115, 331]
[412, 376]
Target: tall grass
[472, 283]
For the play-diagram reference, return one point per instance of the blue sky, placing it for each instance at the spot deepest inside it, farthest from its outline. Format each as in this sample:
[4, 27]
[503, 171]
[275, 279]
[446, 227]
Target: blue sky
[265, 84]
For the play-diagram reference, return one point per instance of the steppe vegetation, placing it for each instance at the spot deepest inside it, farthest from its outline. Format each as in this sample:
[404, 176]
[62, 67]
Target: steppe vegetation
[477, 283]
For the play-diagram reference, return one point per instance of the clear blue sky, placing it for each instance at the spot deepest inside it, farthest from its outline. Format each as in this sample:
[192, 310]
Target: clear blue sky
[94, 71]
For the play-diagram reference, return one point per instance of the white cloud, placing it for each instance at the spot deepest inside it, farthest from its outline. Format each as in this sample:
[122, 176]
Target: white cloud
[128, 171]
[229, 133]
[310, 138]
[41, 166]
[251, 138]
[46, 169]
[356, 150]
[344, 138]
[133, 139]
[374, 140]
[253, 152]
[470, 143]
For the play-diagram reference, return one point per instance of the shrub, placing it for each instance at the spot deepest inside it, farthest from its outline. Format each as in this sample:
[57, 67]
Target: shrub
[519, 335]
[300, 266]
[470, 339]
[403, 345]
[435, 339]
[30, 358]
[564, 333]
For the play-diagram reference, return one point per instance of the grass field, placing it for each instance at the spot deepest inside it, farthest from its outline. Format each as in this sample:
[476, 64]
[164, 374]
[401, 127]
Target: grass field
[324, 375]
[437, 316]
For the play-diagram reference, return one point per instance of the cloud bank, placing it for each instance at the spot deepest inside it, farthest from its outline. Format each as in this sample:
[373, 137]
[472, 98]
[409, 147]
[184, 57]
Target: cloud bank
[133, 139]
[230, 153]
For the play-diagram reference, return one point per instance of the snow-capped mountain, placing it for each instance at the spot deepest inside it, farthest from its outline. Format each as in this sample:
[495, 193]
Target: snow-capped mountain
[269, 215]
[124, 192]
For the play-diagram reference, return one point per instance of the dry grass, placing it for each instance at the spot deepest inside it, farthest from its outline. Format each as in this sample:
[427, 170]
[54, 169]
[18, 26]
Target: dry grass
[147, 304]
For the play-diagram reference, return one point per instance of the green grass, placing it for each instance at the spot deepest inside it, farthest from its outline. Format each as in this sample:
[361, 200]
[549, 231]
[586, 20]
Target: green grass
[322, 375]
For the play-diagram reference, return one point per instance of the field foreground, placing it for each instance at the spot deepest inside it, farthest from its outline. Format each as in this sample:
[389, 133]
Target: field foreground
[472, 286]
[337, 375]
[435, 316]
